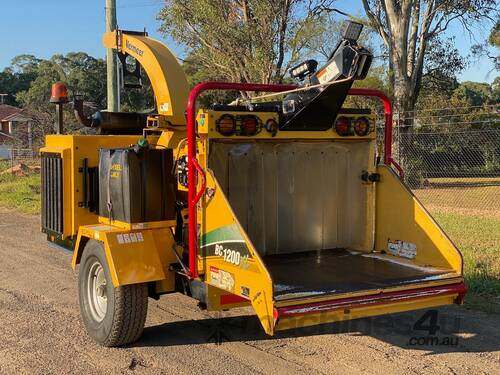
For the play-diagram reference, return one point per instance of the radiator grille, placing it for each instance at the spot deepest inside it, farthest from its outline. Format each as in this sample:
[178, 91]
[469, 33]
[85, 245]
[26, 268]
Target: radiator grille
[52, 193]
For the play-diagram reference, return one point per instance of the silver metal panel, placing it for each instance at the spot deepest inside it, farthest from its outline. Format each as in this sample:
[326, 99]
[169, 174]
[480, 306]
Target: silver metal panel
[295, 196]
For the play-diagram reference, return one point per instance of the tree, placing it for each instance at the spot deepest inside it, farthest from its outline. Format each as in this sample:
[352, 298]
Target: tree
[495, 88]
[474, 93]
[83, 74]
[493, 41]
[17, 77]
[409, 28]
[244, 40]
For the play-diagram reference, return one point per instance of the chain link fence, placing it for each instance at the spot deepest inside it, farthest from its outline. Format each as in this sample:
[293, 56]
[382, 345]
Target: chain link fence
[12, 158]
[451, 158]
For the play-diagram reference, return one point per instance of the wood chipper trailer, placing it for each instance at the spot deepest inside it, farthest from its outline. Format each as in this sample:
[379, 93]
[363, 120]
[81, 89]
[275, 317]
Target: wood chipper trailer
[282, 203]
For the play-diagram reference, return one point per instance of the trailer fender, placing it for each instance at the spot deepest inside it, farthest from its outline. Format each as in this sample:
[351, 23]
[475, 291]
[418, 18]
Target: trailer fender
[134, 256]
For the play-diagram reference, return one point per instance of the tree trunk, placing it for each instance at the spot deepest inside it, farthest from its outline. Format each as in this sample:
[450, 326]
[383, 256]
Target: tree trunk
[404, 105]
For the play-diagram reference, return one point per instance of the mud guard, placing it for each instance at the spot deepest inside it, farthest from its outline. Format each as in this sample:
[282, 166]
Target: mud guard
[134, 256]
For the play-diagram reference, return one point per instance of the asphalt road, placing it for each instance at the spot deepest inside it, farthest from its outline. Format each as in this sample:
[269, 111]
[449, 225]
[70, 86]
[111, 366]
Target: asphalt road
[41, 332]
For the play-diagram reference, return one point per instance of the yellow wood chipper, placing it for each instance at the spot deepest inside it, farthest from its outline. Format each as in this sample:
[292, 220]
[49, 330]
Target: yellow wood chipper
[282, 202]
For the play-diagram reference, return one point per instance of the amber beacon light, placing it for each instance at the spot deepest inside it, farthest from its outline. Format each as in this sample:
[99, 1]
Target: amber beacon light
[59, 96]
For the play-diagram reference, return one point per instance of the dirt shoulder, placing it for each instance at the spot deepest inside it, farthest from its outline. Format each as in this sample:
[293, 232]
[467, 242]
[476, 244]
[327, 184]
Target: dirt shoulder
[41, 332]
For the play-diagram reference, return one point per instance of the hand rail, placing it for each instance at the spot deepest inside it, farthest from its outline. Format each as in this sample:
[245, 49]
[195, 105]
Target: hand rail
[388, 160]
[193, 165]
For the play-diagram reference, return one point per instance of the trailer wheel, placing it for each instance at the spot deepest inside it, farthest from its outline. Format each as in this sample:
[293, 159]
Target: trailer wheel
[112, 316]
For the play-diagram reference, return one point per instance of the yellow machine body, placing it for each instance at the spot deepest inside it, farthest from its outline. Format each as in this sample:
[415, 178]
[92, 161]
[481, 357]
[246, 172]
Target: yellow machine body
[265, 191]
[74, 150]
[159, 63]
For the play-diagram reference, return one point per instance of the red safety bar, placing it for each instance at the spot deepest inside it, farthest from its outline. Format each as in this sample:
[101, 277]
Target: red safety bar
[193, 196]
[388, 160]
[194, 167]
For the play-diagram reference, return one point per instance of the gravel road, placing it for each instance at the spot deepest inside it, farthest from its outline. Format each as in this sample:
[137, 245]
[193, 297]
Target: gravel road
[41, 332]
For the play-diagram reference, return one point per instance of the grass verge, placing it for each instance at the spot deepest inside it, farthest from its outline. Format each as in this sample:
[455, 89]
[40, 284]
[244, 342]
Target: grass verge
[20, 193]
[478, 238]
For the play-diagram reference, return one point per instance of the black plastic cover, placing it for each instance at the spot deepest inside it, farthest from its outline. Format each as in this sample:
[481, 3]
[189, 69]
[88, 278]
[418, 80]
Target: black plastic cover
[136, 185]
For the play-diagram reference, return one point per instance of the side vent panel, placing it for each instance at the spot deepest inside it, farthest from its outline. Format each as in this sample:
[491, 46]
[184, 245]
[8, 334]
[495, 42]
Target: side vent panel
[52, 194]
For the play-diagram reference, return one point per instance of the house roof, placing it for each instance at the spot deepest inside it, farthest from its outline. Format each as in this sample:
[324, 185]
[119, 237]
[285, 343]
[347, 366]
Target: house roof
[2, 134]
[11, 113]
[8, 110]
[17, 117]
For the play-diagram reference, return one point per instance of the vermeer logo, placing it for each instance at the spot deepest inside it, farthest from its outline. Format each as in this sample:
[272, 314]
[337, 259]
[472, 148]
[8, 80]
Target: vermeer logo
[137, 50]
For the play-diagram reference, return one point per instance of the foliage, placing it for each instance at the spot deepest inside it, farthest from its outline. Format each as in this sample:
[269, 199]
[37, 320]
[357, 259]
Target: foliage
[18, 77]
[138, 99]
[454, 133]
[82, 74]
[28, 82]
[494, 38]
[475, 93]
[244, 40]
[412, 32]
[489, 48]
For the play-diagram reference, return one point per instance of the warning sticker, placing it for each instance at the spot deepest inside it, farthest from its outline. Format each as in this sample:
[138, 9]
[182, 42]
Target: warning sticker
[402, 249]
[126, 238]
[329, 73]
[129, 237]
[221, 279]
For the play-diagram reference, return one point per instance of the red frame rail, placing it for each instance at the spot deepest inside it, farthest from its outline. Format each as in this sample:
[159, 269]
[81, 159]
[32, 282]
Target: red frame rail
[388, 160]
[374, 300]
[194, 167]
[193, 196]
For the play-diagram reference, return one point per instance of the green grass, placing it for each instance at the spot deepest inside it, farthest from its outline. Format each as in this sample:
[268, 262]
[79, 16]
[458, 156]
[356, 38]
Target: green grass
[478, 238]
[21, 193]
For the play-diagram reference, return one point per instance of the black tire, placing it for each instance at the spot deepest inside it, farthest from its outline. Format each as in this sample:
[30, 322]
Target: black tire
[122, 320]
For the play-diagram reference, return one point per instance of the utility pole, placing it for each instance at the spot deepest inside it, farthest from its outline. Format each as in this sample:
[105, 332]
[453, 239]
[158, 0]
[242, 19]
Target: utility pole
[111, 60]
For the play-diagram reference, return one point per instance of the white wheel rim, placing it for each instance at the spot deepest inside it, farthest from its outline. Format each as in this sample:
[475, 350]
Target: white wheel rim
[97, 292]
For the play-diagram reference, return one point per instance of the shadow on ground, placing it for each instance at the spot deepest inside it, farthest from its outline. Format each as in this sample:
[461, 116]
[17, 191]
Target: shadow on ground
[458, 331]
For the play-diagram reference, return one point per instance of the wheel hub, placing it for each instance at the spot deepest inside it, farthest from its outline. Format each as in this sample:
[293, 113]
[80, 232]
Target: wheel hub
[97, 292]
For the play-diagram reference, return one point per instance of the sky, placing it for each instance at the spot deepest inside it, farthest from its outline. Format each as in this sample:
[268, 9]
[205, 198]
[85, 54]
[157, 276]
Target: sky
[47, 27]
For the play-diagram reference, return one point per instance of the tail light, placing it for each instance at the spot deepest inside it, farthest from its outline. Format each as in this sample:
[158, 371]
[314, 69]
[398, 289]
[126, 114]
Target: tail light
[226, 125]
[343, 126]
[249, 125]
[362, 126]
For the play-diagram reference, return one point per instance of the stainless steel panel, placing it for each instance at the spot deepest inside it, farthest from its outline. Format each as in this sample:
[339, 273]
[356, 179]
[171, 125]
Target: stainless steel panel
[295, 196]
